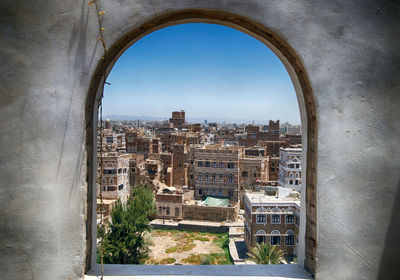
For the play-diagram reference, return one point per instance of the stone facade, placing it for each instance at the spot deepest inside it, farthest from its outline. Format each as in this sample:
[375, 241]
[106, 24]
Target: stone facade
[272, 220]
[217, 171]
[169, 203]
[210, 213]
[178, 119]
[179, 167]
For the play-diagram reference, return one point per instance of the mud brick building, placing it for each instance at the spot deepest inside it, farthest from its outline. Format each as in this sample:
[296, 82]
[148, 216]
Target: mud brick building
[293, 139]
[204, 212]
[137, 170]
[255, 151]
[178, 119]
[272, 220]
[136, 143]
[272, 147]
[252, 170]
[273, 168]
[217, 171]
[166, 158]
[179, 167]
[169, 202]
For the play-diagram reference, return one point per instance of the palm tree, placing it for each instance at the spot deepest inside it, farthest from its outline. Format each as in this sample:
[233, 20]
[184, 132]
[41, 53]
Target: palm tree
[265, 254]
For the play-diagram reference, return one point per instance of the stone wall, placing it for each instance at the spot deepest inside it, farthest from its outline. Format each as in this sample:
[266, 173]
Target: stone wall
[209, 213]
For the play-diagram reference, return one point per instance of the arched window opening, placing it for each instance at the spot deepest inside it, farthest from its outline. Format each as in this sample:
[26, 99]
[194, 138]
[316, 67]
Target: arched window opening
[275, 238]
[231, 192]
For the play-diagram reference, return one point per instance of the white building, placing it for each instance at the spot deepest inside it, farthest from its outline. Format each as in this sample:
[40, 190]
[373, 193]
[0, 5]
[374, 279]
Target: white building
[290, 168]
[115, 179]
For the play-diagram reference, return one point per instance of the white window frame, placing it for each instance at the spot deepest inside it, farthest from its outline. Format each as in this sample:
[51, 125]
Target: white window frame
[276, 223]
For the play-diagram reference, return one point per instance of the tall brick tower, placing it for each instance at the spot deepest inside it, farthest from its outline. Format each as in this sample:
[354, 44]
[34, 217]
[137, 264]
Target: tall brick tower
[179, 172]
[178, 119]
[274, 127]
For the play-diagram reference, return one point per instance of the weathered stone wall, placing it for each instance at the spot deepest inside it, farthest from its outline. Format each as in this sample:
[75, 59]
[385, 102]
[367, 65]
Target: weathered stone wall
[210, 213]
[350, 55]
[192, 227]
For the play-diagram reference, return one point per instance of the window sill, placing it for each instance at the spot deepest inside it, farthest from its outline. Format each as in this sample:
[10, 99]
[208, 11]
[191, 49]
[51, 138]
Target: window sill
[135, 272]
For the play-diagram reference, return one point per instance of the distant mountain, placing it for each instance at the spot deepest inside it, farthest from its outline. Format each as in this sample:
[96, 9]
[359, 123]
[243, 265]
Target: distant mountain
[132, 118]
[190, 120]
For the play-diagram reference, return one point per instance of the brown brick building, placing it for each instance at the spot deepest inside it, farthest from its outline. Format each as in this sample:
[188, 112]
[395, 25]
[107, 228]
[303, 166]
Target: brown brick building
[136, 143]
[179, 169]
[178, 119]
[169, 202]
[217, 171]
[272, 220]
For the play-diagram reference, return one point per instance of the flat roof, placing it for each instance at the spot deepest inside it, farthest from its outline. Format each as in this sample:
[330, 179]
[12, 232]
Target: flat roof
[261, 197]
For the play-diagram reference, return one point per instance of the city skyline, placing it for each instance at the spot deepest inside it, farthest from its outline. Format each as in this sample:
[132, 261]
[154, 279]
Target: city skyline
[213, 72]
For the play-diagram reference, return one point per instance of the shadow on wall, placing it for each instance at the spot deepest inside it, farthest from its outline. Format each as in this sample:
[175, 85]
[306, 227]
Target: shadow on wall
[390, 262]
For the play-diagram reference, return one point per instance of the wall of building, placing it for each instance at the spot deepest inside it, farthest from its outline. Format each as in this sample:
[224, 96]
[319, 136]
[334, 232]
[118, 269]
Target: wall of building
[50, 52]
[210, 213]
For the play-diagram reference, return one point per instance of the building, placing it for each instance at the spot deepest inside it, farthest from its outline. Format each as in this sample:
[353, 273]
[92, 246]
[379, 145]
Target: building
[137, 170]
[211, 209]
[137, 143]
[179, 169]
[273, 168]
[290, 168]
[252, 171]
[272, 147]
[154, 169]
[115, 178]
[169, 203]
[217, 171]
[272, 220]
[178, 119]
[166, 158]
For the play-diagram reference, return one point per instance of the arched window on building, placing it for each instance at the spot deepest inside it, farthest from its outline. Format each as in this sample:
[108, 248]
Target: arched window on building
[289, 240]
[260, 236]
[275, 237]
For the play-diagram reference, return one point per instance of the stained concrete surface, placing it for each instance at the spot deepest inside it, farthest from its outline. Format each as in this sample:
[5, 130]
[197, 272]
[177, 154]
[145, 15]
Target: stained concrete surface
[49, 52]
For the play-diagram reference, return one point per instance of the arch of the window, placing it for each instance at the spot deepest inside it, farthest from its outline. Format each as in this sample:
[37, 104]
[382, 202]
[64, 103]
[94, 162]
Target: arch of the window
[289, 232]
[261, 232]
[261, 209]
[305, 97]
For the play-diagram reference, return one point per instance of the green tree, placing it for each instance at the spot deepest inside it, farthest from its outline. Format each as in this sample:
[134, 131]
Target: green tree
[123, 241]
[265, 254]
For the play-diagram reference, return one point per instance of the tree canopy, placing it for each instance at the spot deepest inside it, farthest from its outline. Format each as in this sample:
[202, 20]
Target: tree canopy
[123, 241]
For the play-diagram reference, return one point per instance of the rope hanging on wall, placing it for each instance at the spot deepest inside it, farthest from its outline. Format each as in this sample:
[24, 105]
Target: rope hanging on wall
[100, 110]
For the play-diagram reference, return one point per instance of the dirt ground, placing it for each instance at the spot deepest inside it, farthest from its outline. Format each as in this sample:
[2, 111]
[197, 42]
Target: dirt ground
[169, 247]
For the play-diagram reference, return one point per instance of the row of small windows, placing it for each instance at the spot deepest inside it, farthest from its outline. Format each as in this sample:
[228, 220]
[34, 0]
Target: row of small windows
[296, 175]
[114, 171]
[214, 178]
[214, 164]
[246, 174]
[162, 210]
[275, 238]
[112, 188]
[296, 182]
[215, 192]
[275, 219]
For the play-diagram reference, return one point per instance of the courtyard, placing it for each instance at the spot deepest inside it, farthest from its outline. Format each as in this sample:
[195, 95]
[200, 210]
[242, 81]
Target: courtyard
[187, 247]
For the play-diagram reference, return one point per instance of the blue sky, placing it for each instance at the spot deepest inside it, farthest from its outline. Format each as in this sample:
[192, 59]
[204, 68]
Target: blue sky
[211, 71]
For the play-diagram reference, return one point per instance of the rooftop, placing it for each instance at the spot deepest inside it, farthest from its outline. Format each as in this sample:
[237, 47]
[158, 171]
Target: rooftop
[261, 197]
